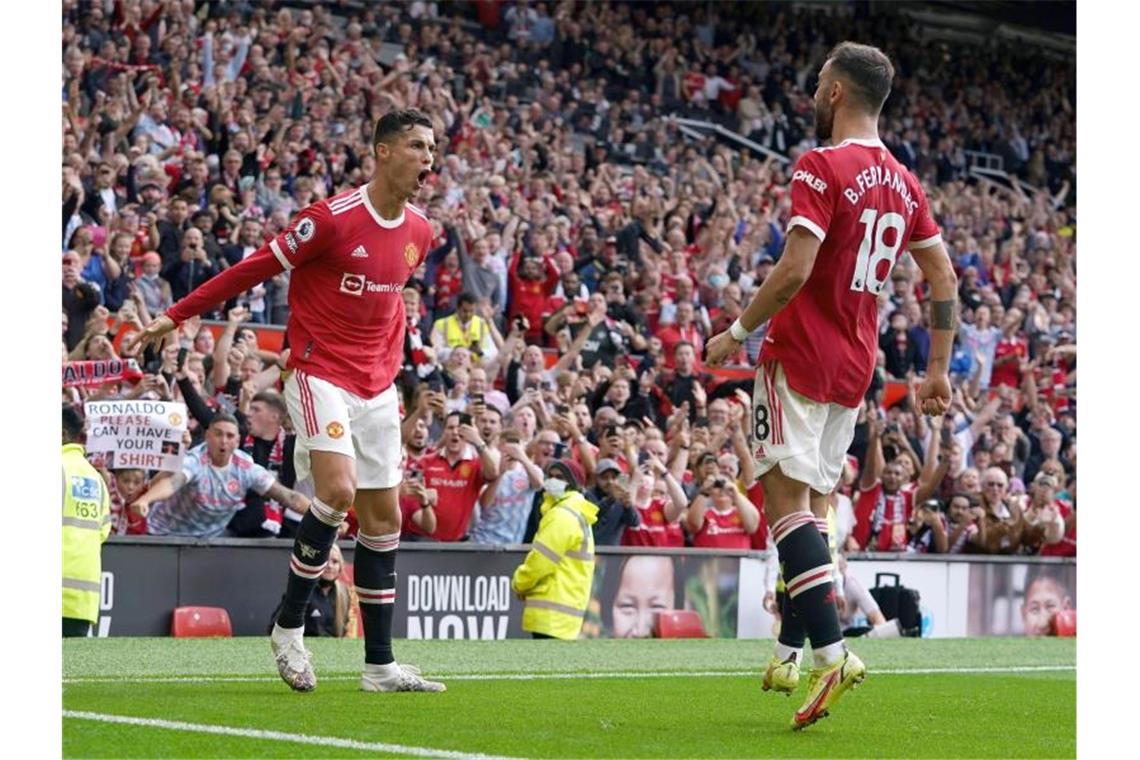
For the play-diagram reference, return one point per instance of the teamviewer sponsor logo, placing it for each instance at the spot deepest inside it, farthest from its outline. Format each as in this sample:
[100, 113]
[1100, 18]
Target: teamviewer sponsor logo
[353, 284]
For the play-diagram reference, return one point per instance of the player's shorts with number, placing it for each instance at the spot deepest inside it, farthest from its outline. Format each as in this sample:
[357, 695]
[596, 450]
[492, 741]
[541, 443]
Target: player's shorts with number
[328, 418]
[808, 439]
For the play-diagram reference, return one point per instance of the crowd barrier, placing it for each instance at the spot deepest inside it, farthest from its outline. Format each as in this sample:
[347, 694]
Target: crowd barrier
[462, 591]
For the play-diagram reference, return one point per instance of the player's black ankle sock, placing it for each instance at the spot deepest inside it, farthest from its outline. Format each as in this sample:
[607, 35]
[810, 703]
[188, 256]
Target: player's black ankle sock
[791, 627]
[314, 540]
[375, 577]
[807, 577]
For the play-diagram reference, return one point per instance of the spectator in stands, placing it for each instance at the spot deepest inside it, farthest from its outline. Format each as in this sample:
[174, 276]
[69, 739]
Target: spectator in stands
[463, 329]
[964, 516]
[457, 471]
[615, 512]
[199, 501]
[332, 609]
[1044, 516]
[660, 518]
[886, 503]
[155, 291]
[902, 353]
[125, 485]
[505, 504]
[80, 300]
[721, 517]
[1001, 529]
[271, 446]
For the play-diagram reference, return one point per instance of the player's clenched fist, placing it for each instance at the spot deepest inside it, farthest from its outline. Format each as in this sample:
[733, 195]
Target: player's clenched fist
[934, 394]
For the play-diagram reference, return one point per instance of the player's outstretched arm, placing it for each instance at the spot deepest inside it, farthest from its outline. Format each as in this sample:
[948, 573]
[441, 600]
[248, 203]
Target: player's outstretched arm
[785, 280]
[934, 394]
[258, 268]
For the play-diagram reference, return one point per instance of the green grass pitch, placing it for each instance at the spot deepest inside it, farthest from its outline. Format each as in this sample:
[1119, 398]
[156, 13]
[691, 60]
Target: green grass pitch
[135, 697]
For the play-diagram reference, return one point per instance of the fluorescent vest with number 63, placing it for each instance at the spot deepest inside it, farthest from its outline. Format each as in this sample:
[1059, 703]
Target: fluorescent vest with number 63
[86, 524]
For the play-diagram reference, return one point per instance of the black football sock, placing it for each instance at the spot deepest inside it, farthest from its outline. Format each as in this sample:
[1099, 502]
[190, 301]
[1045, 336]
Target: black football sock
[807, 578]
[311, 547]
[375, 577]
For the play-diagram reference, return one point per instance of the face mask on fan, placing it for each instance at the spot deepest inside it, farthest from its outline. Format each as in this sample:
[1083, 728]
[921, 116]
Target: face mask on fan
[554, 486]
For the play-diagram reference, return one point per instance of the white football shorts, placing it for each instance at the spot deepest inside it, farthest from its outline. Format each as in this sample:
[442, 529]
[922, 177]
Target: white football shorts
[329, 418]
[808, 439]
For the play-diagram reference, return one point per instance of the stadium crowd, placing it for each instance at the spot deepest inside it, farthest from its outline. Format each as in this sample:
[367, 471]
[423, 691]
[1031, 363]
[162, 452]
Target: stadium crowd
[586, 248]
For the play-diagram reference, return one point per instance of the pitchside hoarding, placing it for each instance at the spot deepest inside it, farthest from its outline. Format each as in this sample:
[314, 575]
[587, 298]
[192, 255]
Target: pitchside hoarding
[457, 592]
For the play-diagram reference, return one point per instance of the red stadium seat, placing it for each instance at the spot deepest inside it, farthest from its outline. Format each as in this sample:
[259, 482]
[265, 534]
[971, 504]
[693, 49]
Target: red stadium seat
[1064, 623]
[200, 622]
[678, 624]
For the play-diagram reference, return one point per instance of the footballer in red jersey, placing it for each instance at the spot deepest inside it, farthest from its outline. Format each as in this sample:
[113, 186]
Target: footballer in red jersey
[854, 210]
[349, 258]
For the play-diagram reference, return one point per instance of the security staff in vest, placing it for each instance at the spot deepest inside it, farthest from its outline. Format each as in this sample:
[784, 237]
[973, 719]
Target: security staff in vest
[86, 525]
[554, 581]
[464, 329]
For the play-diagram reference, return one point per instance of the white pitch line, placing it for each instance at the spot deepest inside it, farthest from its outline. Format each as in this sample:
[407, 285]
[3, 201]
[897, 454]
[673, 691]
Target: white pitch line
[576, 676]
[280, 736]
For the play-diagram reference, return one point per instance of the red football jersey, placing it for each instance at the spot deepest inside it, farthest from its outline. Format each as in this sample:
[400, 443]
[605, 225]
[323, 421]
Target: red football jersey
[722, 530]
[458, 488]
[1010, 372]
[883, 518]
[866, 208]
[348, 268]
[654, 529]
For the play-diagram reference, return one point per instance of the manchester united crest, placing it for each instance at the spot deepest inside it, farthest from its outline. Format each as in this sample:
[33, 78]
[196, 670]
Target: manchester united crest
[464, 470]
[335, 430]
[411, 254]
[175, 419]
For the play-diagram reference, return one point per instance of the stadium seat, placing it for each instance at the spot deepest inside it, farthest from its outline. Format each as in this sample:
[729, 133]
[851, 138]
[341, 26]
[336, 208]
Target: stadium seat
[678, 624]
[200, 622]
[1064, 623]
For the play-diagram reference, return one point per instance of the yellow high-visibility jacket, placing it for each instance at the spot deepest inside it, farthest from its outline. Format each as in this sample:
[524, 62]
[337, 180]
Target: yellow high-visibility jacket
[86, 525]
[454, 334]
[556, 578]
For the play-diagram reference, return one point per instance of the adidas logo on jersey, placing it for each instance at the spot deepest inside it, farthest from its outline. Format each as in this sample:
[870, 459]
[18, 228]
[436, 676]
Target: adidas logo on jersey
[360, 253]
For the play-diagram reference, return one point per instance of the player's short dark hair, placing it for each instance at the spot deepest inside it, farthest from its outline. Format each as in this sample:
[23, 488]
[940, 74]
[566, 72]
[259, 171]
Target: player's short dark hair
[681, 343]
[867, 69]
[72, 424]
[465, 298]
[394, 122]
[224, 417]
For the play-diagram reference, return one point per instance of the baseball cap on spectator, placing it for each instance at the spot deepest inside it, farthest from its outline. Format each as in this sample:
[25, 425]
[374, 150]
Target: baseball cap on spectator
[151, 257]
[765, 259]
[606, 465]
[611, 240]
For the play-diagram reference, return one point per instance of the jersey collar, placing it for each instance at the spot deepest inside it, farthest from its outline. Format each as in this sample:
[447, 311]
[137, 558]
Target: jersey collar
[388, 224]
[872, 143]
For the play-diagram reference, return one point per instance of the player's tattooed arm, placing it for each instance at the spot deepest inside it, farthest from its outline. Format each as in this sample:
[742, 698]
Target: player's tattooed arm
[942, 315]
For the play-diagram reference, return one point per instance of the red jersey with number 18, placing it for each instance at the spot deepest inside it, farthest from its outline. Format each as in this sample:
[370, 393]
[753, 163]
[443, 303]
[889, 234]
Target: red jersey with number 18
[348, 269]
[866, 208]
